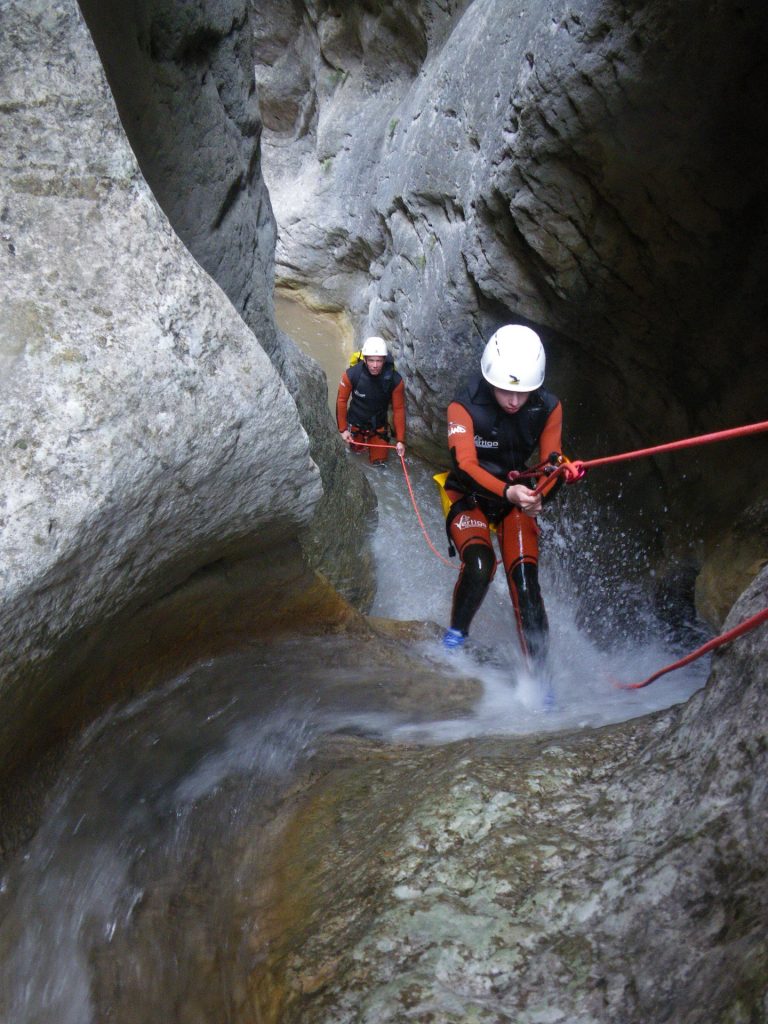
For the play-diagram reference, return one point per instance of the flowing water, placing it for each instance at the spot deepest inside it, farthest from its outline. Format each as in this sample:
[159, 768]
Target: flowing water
[323, 335]
[604, 626]
[133, 901]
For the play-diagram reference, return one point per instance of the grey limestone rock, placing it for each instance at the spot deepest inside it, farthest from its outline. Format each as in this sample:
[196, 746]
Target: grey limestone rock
[585, 878]
[183, 80]
[139, 411]
[588, 168]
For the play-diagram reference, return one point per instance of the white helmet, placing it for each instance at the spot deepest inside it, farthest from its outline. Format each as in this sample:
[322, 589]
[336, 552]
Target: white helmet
[514, 359]
[374, 347]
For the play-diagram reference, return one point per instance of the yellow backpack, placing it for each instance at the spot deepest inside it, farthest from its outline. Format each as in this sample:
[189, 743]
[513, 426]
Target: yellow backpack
[445, 501]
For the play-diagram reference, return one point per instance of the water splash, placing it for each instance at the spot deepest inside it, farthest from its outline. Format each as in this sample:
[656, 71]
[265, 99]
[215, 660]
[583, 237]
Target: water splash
[604, 624]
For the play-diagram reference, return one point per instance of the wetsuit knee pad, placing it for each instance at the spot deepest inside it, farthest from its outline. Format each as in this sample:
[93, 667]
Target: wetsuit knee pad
[477, 570]
[479, 563]
[526, 593]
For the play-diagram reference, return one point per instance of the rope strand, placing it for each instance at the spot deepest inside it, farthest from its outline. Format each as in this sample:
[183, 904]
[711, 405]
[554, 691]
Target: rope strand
[421, 521]
[688, 442]
[574, 471]
[432, 547]
[751, 623]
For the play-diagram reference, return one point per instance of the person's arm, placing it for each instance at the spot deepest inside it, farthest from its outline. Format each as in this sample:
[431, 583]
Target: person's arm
[342, 400]
[398, 416]
[461, 441]
[551, 440]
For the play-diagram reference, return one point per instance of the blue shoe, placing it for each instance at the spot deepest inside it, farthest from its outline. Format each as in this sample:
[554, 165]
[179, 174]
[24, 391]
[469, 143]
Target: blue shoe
[453, 639]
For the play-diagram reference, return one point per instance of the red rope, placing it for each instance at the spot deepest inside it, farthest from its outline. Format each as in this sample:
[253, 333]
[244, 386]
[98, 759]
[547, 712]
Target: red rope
[418, 516]
[688, 442]
[710, 645]
[432, 547]
[574, 471]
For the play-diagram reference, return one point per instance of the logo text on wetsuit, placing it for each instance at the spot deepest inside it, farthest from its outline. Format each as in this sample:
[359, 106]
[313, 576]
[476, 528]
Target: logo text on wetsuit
[456, 428]
[466, 522]
[482, 442]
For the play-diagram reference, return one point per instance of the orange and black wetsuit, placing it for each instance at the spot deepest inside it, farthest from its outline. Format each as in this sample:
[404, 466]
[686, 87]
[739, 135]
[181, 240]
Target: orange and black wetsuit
[362, 406]
[485, 443]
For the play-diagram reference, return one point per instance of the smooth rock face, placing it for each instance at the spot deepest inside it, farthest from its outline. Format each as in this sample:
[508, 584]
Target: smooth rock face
[183, 80]
[590, 168]
[737, 558]
[139, 412]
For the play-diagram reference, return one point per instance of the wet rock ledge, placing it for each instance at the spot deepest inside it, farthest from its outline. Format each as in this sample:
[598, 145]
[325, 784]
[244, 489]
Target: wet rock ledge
[593, 877]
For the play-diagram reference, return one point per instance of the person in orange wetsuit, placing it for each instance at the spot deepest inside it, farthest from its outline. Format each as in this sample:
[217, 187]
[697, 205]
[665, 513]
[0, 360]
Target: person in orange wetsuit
[499, 418]
[366, 391]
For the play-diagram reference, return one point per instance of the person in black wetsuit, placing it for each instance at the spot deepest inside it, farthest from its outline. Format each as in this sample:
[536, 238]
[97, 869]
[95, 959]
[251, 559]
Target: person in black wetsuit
[499, 418]
[366, 391]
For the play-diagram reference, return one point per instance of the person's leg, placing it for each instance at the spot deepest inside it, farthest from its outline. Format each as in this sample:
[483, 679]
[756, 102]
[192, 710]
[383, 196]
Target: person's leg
[471, 536]
[519, 538]
[378, 451]
[359, 440]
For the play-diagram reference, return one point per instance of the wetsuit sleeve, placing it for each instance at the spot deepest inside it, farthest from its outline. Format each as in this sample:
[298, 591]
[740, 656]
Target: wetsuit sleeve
[461, 442]
[342, 400]
[398, 411]
[551, 440]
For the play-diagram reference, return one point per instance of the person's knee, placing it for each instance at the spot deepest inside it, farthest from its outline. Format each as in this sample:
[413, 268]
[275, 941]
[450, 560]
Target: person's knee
[479, 563]
[524, 578]
[478, 567]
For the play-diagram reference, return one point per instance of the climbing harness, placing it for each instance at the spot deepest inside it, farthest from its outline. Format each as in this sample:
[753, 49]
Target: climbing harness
[725, 638]
[452, 509]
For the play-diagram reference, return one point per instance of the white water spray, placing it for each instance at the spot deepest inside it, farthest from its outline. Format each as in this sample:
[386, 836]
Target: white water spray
[602, 632]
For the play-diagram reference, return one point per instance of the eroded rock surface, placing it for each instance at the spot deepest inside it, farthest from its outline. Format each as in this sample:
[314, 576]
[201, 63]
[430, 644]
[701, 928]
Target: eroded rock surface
[738, 557]
[183, 81]
[139, 411]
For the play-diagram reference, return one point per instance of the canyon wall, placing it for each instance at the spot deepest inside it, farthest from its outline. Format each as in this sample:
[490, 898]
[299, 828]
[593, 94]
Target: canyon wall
[150, 449]
[588, 168]
[169, 467]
